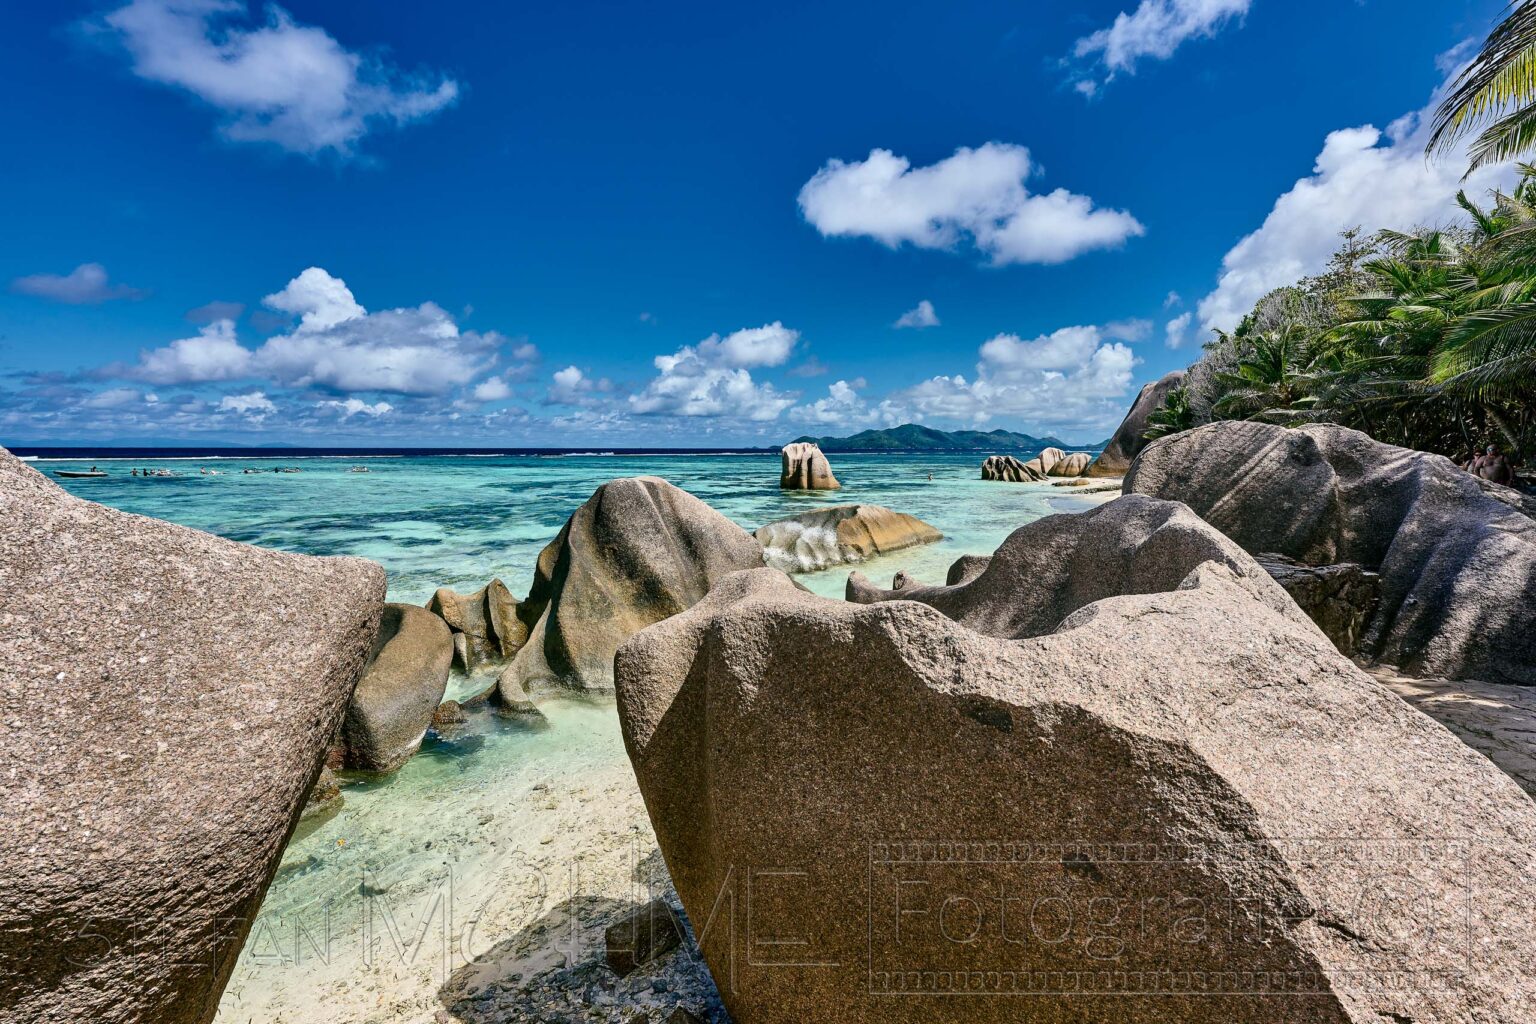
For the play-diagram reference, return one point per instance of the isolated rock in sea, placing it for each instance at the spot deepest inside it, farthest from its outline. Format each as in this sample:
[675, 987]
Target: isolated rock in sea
[485, 624]
[641, 936]
[1456, 554]
[636, 552]
[394, 703]
[840, 534]
[1178, 803]
[1339, 598]
[166, 700]
[1129, 439]
[1071, 465]
[1008, 469]
[805, 468]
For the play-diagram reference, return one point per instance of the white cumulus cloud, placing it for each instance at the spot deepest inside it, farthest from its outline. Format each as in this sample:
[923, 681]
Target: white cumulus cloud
[1074, 379]
[492, 389]
[976, 195]
[1363, 177]
[1176, 331]
[712, 378]
[355, 407]
[920, 316]
[1154, 30]
[86, 285]
[276, 81]
[255, 405]
[843, 406]
[337, 345]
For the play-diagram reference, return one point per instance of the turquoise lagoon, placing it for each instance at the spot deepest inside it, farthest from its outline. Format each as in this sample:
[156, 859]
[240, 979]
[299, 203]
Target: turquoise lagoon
[517, 824]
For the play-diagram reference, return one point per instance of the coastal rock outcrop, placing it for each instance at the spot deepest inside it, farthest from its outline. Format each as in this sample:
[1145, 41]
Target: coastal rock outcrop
[485, 624]
[1339, 598]
[1008, 469]
[1178, 802]
[1129, 440]
[166, 700]
[805, 468]
[1071, 464]
[1456, 554]
[840, 534]
[636, 552]
[394, 703]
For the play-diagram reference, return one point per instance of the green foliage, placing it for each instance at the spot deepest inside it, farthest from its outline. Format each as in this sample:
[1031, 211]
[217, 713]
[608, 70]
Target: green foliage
[1174, 416]
[1496, 94]
[1425, 339]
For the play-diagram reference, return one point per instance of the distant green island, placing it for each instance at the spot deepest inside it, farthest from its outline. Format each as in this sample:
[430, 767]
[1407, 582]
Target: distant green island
[910, 437]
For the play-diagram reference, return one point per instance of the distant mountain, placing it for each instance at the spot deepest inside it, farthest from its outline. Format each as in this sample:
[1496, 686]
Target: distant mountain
[910, 437]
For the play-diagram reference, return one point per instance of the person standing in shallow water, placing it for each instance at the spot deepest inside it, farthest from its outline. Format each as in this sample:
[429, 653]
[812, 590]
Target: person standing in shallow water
[1492, 465]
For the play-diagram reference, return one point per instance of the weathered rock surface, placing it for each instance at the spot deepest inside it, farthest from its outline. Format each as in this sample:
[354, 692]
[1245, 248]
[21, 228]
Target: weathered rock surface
[840, 534]
[166, 700]
[1339, 598]
[1178, 803]
[1070, 464]
[1007, 469]
[395, 701]
[636, 552]
[645, 934]
[1457, 555]
[1044, 572]
[485, 624]
[805, 468]
[1129, 440]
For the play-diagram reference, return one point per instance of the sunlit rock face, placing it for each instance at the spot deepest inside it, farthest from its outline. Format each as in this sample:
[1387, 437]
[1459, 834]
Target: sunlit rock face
[1130, 438]
[840, 535]
[166, 700]
[1157, 796]
[1456, 554]
[805, 468]
[634, 553]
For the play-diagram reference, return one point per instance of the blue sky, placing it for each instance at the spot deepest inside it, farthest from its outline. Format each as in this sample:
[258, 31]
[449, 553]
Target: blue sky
[376, 221]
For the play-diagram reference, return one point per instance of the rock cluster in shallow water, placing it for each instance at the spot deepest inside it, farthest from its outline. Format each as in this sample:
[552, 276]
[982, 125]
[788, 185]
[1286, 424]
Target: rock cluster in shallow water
[1117, 774]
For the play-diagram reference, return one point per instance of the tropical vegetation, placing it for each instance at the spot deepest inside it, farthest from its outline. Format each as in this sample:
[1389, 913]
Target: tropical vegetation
[1425, 339]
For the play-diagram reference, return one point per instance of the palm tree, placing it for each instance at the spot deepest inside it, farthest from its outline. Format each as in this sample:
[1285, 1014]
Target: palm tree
[1275, 378]
[1495, 95]
[1174, 416]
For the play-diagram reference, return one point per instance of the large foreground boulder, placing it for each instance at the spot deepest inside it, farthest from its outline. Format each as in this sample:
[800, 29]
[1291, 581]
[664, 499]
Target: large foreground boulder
[1177, 804]
[392, 707]
[1456, 554]
[1129, 440]
[840, 534]
[805, 468]
[636, 552]
[166, 700]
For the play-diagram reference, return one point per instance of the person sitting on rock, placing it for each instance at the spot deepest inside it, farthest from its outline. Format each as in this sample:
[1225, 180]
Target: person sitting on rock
[1492, 465]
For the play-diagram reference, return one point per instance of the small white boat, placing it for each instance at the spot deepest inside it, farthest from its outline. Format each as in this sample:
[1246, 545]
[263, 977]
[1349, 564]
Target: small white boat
[79, 474]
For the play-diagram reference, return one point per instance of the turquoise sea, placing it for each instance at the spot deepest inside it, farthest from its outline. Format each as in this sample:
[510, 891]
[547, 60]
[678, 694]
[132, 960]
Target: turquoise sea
[504, 803]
